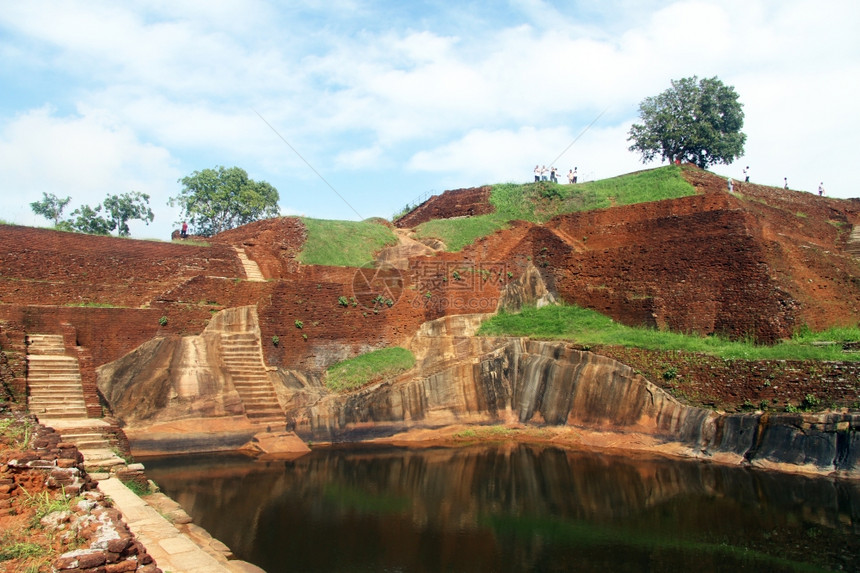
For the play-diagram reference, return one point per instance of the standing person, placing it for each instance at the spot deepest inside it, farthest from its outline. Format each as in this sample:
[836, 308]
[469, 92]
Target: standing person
[552, 173]
[786, 183]
[537, 173]
[571, 178]
[747, 174]
[543, 172]
[575, 176]
[821, 189]
[184, 232]
[731, 185]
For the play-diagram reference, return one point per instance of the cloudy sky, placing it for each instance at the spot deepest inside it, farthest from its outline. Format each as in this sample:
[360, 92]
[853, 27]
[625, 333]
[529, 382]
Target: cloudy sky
[353, 108]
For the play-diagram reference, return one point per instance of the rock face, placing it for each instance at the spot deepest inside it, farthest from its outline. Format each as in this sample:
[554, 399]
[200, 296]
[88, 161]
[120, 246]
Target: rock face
[177, 394]
[531, 382]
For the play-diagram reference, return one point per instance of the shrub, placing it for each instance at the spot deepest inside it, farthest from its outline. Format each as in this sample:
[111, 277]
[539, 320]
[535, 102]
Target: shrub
[162, 321]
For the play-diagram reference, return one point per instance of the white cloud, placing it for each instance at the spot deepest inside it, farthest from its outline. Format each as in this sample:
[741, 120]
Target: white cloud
[86, 158]
[371, 94]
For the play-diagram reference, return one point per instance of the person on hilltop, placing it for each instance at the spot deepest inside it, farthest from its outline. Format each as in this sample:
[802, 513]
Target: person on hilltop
[786, 183]
[747, 174]
[537, 173]
[552, 175]
[821, 189]
[571, 178]
[731, 185]
[543, 172]
[184, 232]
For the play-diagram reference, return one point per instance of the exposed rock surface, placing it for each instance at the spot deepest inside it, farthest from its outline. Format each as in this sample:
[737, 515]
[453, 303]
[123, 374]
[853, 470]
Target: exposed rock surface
[760, 262]
[531, 382]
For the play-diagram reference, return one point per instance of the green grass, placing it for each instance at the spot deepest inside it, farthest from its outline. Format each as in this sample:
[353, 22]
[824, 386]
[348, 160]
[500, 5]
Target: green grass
[16, 432]
[539, 202]
[21, 550]
[343, 243]
[588, 327]
[356, 372]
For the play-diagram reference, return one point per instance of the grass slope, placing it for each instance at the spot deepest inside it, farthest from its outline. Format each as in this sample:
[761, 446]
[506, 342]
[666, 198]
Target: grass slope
[539, 202]
[589, 327]
[343, 243]
[356, 372]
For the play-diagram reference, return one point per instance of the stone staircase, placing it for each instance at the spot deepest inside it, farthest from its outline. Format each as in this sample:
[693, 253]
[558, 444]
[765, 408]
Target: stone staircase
[54, 379]
[853, 246]
[243, 359]
[252, 270]
[56, 397]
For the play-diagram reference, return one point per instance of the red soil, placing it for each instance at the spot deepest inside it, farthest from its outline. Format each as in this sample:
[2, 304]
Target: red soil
[760, 262]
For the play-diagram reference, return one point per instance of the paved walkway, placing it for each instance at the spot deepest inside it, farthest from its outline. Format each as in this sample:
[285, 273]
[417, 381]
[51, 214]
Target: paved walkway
[172, 550]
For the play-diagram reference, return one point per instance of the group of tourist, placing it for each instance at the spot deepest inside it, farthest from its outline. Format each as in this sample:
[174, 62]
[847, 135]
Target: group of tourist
[747, 180]
[541, 173]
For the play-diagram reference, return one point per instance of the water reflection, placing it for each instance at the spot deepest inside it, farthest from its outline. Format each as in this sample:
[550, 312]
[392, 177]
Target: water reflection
[513, 508]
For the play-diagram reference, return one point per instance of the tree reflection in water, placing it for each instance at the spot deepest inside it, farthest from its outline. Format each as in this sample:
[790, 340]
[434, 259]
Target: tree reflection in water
[513, 507]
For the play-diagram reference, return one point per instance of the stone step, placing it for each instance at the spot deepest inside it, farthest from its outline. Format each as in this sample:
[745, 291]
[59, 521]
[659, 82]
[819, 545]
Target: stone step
[69, 414]
[53, 362]
[251, 393]
[100, 444]
[58, 401]
[58, 385]
[250, 378]
[41, 381]
[253, 385]
[267, 414]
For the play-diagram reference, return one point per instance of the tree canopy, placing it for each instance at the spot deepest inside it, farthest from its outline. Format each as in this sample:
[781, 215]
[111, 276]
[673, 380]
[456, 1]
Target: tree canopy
[50, 207]
[123, 208]
[119, 210]
[695, 120]
[215, 200]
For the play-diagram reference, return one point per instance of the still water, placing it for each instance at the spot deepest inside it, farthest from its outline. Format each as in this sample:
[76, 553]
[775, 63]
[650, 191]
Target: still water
[513, 508]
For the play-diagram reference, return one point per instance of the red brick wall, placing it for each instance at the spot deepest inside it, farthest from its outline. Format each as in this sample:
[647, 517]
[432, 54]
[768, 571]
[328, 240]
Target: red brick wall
[454, 203]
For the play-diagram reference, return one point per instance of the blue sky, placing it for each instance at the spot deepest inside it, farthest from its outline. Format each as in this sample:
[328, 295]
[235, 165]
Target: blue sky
[388, 100]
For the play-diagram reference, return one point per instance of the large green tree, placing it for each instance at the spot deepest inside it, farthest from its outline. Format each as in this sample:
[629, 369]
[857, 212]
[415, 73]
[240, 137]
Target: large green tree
[214, 200]
[123, 208]
[50, 207]
[695, 120]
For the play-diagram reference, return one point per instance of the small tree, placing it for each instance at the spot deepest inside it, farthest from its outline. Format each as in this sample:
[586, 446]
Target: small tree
[695, 121]
[215, 200]
[119, 210]
[123, 208]
[50, 207]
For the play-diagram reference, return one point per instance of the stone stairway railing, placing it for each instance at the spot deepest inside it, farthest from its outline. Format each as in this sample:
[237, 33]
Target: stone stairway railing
[243, 359]
[252, 269]
[853, 246]
[54, 379]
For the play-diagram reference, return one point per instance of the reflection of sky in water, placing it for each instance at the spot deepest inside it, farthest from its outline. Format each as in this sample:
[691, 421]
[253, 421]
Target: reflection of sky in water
[512, 508]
